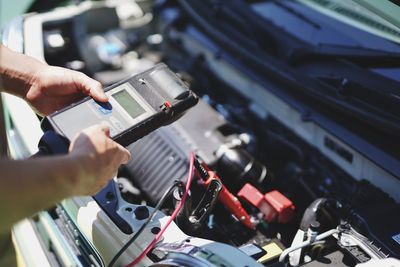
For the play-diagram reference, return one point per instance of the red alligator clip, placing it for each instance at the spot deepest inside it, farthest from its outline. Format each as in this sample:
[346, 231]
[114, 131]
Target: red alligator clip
[231, 202]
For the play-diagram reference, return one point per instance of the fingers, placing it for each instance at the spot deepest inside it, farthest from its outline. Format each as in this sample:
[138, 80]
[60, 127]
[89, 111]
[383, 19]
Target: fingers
[101, 157]
[96, 91]
[123, 155]
[90, 87]
[96, 129]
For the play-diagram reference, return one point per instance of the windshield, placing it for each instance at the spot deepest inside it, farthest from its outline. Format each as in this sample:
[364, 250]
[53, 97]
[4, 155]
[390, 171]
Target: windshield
[9, 9]
[381, 17]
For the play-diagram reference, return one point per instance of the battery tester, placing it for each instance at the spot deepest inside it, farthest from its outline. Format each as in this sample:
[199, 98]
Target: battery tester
[137, 106]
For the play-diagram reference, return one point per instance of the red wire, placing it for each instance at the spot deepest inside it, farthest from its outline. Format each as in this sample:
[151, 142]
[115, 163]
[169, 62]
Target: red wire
[173, 216]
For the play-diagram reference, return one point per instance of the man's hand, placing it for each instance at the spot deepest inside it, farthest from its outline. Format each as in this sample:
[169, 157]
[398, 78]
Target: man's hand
[53, 88]
[46, 88]
[34, 184]
[99, 157]
[37, 183]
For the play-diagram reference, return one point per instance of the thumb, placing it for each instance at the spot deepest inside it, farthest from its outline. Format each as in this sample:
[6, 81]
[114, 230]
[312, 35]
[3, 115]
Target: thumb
[125, 154]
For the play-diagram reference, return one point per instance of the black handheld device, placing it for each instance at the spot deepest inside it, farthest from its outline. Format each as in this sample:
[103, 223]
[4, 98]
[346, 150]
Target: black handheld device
[137, 106]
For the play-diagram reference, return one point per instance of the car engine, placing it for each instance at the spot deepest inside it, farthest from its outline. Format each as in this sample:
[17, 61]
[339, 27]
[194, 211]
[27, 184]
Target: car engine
[291, 181]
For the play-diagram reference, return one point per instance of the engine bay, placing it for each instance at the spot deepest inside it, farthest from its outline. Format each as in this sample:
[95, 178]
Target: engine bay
[305, 195]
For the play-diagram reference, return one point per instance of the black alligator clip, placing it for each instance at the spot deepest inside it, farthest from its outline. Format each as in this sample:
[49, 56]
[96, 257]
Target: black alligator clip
[191, 220]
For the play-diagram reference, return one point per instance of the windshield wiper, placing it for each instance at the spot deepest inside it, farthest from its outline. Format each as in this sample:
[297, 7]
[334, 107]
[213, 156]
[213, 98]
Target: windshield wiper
[277, 41]
[369, 56]
[295, 13]
[290, 80]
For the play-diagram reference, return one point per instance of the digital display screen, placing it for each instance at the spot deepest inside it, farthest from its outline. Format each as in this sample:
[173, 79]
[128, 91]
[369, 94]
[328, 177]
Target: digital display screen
[130, 105]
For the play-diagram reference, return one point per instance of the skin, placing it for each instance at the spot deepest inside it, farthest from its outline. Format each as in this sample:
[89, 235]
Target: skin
[30, 185]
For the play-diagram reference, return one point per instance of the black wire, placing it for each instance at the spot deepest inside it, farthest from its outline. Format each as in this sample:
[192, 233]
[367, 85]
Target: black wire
[160, 203]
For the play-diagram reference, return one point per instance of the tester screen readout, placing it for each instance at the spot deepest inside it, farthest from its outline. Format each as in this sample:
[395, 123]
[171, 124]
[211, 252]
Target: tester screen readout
[130, 105]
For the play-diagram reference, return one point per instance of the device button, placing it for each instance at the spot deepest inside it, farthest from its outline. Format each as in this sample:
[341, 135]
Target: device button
[104, 111]
[117, 124]
[102, 108]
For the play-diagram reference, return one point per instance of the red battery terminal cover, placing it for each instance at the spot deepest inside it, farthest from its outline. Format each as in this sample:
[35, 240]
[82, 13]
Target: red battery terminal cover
[251, 195]
[273, 205]
[281, 204]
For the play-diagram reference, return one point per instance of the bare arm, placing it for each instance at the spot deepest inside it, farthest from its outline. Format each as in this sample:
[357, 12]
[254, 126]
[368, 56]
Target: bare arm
[28, 186]
[31, 185]
[46, 88]
[17, 71]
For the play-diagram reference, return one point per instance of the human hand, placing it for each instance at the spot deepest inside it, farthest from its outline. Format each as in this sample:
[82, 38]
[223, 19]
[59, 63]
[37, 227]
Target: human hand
[46, 88]
[99, 158]
[52, 88]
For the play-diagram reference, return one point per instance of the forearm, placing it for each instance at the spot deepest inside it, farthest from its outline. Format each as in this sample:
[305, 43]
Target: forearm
[17, 71]
[29, 186]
